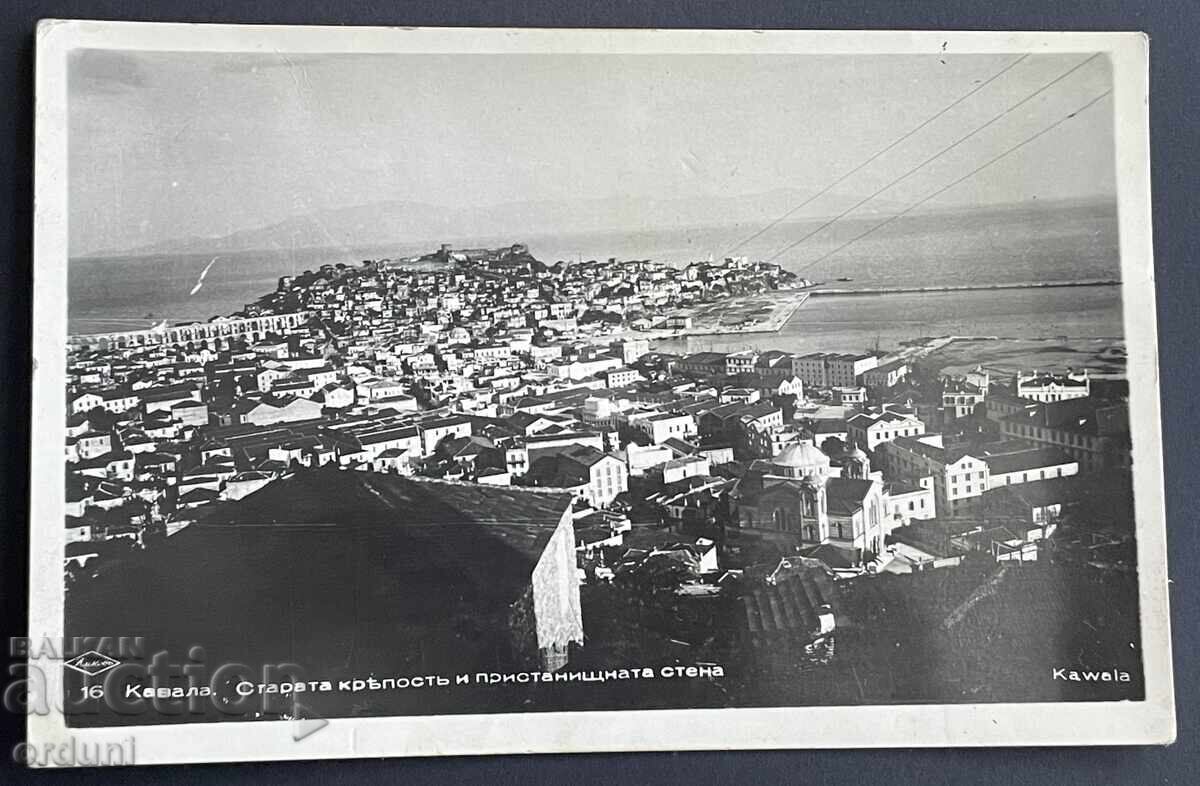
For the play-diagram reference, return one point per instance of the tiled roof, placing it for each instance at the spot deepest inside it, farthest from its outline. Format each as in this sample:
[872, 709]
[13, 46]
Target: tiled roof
[489, 537]
[791, 605]
[1027, 460]
[846, 495]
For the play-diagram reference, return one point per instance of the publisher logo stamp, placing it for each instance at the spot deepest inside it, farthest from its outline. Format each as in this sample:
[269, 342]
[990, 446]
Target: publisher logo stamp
[92, 663]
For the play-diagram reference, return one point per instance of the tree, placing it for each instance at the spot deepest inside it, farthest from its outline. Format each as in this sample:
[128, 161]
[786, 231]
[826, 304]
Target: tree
[833, 446]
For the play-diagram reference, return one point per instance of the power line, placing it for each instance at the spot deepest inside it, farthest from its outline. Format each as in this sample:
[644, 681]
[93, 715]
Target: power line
[951, 185]
[876, 156]
[936, 155]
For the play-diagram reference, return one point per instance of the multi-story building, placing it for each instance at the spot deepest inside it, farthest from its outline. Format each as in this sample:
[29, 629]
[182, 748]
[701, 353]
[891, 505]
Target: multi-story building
[907, 502]
[590, 474]
[603, 411]
[620, 377]
[492, 354]
[1094, 433]
[641, 458]
[773, 366]
[850, 396]
[961, 397]
[434, 431]
[828, 370]
[117, 400]
[959, 477]
[1025, 466]
[750, 421]
[662, 426]
[701, 364]
[1046, 388]
[630, 349]
[582, 368]
[883, 378]
[374, 389]
[768, 442]
[740, 362]
[366, 445]
[870, 430]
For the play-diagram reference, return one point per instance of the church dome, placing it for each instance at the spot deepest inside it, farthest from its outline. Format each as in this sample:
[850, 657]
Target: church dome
[802, 458]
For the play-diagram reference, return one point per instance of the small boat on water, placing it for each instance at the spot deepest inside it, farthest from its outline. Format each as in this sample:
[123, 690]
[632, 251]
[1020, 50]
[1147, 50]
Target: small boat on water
[843, 278]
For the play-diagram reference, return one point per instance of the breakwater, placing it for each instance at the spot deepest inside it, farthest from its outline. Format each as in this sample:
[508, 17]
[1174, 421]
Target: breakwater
[825, 291]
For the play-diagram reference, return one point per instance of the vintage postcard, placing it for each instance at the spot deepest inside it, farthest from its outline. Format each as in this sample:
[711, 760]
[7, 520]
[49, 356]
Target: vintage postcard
[446, 391]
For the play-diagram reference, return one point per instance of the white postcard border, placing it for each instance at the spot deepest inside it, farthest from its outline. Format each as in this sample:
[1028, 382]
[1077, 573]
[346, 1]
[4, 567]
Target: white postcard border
[1069, 723]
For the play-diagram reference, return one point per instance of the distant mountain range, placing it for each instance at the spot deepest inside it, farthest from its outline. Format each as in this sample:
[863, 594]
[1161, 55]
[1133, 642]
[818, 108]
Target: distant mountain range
[392, 222]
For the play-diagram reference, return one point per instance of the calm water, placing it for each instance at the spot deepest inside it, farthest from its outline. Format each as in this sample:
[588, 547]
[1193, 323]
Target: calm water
[128, 294]
[1063, 243]
[855, 323]
[1066, 243]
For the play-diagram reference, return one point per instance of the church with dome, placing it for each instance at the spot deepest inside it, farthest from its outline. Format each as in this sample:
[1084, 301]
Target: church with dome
[801, 498]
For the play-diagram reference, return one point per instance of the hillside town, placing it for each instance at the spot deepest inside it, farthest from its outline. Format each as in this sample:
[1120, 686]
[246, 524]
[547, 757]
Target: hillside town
[751, 492]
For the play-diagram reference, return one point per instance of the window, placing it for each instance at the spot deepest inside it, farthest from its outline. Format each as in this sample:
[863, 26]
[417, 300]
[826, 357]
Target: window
[777, 520]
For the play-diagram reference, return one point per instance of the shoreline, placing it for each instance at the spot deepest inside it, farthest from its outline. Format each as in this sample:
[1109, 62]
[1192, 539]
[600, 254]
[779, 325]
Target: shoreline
[780, 316]
[1106, 357]
[934, 343]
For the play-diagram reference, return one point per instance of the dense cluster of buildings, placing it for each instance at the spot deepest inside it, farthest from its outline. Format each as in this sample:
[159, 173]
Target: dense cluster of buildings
[513, 387]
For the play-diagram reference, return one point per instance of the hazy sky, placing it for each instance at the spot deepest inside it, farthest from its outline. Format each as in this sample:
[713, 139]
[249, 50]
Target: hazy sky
[172, 145]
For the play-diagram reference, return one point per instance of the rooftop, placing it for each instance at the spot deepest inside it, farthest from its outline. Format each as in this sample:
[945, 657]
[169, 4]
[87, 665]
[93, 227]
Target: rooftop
[1026, 460]
[488, 537]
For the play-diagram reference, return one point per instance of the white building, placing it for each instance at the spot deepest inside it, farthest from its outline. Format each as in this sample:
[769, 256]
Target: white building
[685, 467]
[870, 430]
[620, 377]
[1046, 388]
[661, 426]
[850, 396]
[590, 474]
[960, 397]
[828, 370]
[632, 348]
[1029, 465]
[578, 369]
[907, 502]
[641, 458]
[375, 389]
[959, 477]
[740, 362]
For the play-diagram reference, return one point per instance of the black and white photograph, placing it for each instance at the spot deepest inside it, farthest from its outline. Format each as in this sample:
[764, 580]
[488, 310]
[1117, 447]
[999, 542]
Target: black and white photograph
[551, 391]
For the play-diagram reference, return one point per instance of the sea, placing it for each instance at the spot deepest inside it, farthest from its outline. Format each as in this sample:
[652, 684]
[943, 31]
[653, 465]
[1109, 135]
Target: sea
[1055, 242]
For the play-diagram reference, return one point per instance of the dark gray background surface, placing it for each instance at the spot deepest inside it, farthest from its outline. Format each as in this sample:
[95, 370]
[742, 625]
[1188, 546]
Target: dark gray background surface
[1174, 29]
